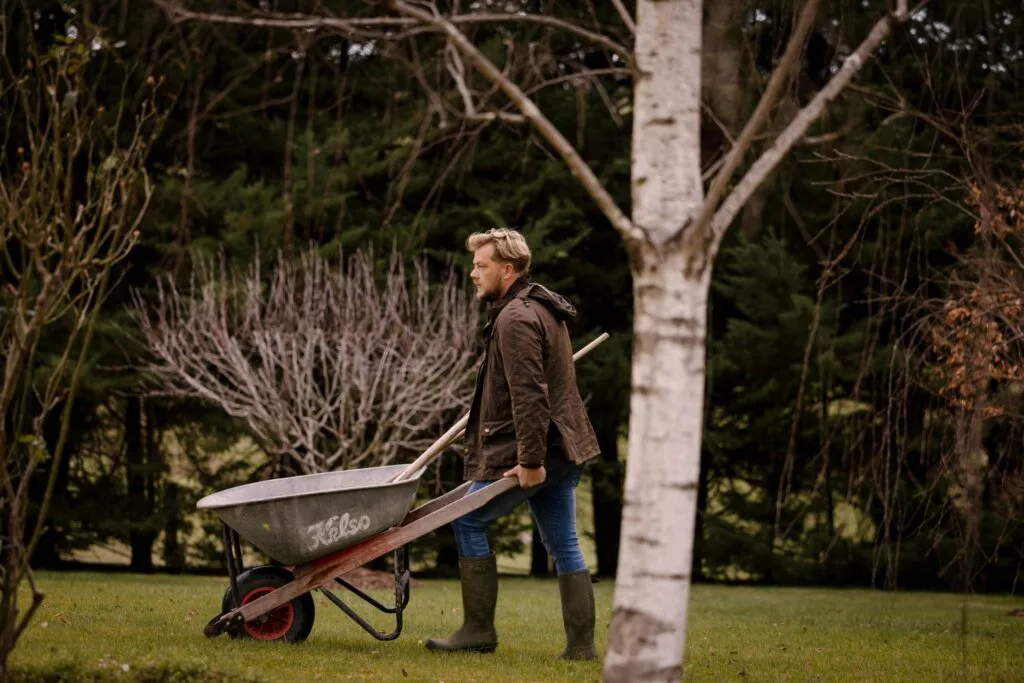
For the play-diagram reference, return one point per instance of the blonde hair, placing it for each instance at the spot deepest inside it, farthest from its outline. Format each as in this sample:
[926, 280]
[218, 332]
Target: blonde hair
[509, 246]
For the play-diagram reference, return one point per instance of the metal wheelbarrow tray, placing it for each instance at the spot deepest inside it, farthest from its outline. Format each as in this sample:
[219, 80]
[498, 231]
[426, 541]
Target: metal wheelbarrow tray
[299, 519]
[319, 527]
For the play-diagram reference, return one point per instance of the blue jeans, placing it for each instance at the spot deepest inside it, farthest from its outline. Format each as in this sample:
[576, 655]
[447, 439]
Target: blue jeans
[553, 505]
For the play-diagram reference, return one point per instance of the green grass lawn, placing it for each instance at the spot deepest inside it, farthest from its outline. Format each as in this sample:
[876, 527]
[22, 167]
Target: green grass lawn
[109, 622]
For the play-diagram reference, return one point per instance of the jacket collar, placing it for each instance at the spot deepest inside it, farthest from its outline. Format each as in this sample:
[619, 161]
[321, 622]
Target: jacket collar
[494, 308]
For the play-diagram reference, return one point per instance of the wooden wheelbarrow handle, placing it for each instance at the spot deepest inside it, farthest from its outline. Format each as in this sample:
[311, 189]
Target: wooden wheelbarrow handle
[456, 430]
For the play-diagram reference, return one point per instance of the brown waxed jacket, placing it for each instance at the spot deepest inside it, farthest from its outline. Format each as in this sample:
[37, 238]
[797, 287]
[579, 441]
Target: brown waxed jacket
[526, 389]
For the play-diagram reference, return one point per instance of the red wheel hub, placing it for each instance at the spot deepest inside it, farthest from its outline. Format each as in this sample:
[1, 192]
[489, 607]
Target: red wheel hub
[273, 625]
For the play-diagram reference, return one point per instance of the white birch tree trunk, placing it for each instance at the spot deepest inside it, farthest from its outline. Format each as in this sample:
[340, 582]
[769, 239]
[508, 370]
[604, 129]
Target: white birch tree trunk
[652, 587]
[671, 277]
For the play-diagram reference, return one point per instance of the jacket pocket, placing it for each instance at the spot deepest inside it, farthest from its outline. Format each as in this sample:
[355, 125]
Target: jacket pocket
[498, 443]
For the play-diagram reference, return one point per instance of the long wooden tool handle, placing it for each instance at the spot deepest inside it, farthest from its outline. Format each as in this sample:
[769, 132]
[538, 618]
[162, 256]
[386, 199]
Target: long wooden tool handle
[456, 430]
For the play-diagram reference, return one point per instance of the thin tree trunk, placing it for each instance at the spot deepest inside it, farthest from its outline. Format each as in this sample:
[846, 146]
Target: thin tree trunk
[722, 65]
[606, 497]
[826, 446]
[47, 552]
[696, 564]
[771, 490]
[722, 83]
[174, 551]
[752, 216]
[139, 538]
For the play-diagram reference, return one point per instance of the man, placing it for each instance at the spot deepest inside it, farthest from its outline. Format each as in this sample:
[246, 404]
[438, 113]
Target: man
[527, 421]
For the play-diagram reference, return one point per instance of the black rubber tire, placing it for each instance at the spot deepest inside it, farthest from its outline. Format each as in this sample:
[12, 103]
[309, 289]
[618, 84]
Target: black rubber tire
[291, 623]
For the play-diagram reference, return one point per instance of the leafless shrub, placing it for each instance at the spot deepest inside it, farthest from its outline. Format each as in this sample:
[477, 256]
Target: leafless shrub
[330, 367]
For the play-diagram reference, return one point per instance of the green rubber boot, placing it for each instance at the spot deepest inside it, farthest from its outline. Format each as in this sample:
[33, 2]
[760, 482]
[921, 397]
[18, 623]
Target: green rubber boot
[577, 594]
[479, 577]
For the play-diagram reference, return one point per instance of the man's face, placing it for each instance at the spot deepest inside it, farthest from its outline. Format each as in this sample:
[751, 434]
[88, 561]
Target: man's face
[488, 274]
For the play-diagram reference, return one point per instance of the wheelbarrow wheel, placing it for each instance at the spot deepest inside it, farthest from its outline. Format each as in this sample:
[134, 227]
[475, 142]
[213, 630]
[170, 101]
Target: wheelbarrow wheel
[292, 622]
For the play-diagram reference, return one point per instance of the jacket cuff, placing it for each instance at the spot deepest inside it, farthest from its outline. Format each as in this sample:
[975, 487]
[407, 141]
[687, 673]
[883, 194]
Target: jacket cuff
[531, 465]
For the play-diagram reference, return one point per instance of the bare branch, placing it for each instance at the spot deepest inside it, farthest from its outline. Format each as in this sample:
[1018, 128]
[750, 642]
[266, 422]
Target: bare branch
[507, 117]
[626, 19]
[436, 101]
[362, 26]
[767, 162]
[552, 22]
[356, 26]
[453, 62]
[760, 115]
[572, 158]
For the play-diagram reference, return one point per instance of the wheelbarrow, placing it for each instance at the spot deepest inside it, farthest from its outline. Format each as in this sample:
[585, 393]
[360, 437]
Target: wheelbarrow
[318, 527]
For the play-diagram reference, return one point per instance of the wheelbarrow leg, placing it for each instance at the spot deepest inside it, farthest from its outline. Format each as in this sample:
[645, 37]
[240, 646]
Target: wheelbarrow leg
[233, 553]
[233, 558]
[402, 580]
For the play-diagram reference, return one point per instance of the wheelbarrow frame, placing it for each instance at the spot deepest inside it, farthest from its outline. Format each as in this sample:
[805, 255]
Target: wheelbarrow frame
[402, 579]
[328, 570]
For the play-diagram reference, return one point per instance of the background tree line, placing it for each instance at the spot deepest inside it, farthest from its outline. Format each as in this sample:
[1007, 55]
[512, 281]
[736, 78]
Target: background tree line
[870, 278]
